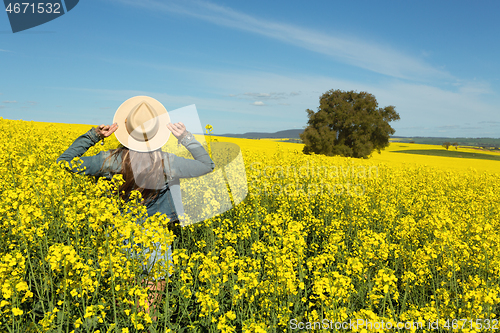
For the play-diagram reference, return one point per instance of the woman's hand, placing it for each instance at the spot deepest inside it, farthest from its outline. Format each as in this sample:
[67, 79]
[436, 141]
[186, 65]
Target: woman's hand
[177, 129]
[103, 131]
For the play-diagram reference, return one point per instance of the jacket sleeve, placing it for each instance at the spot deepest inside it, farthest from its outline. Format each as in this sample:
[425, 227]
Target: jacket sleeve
[91, 164]
[181, 167]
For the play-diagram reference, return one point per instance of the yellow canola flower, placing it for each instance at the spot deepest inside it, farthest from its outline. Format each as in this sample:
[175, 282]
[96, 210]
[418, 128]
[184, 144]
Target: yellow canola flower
[314, 236]
[17, 312]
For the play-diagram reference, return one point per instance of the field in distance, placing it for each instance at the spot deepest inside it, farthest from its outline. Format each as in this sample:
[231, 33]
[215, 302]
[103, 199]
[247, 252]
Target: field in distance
[397, 153]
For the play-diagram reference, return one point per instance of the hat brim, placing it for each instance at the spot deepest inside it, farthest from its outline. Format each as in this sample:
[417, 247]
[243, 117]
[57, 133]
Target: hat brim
[122, 135]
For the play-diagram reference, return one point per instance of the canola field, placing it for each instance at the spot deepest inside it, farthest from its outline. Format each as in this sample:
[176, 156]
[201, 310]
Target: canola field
[397, 242]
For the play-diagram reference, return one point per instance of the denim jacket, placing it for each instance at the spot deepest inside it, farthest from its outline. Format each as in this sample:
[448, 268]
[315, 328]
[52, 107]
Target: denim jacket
[169, 199]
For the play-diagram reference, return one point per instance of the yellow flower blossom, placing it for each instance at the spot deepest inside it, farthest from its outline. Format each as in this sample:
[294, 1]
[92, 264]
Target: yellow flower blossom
[17, 312]
[395, 238]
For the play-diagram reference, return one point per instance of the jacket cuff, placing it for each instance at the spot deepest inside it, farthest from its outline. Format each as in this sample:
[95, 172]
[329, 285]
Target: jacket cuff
[93, 135]
[186, 139]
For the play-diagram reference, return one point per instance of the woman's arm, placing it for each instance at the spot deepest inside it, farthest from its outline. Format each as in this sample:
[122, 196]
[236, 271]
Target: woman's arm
[179, 167]
[91, 164]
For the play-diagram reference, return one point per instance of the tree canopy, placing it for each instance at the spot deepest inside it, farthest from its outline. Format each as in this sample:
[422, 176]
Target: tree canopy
[348, 124]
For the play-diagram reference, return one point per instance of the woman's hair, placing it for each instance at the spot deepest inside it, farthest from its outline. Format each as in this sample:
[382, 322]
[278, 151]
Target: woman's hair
[142, 171]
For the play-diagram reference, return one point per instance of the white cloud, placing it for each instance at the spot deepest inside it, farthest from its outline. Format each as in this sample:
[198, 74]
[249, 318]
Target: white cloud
[487, 122]
[10, 102]
[272, 95]
[475, 87]
[258, 103]
[471, 128]
[378, 58]
[174, 101]
[422, 107]
[257, 94]
[449, 127]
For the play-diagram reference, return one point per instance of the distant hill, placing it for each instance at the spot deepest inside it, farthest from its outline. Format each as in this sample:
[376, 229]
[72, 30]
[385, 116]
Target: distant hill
[286, 134]
[475, 142]
[294, 134]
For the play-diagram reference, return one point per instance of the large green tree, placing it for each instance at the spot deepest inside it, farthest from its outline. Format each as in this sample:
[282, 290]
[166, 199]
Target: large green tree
[348, 123]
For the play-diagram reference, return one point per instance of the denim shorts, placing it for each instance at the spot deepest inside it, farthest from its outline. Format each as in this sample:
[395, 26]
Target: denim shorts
[155, 255]
[153, 259]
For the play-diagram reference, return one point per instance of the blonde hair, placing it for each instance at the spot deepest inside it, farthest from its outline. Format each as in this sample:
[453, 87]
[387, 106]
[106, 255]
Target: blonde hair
[149, 169]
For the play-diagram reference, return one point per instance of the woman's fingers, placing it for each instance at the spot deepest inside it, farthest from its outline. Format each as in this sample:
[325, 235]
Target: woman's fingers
[172, 128]
[106, 130]
[111, 129]
[177, 125]
[180, 127]
[176, 128]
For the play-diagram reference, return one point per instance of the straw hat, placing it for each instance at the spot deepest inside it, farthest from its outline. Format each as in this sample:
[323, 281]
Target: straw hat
[142, 124]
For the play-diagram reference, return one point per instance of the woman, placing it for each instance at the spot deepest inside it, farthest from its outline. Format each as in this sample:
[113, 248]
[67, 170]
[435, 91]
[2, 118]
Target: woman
[142, 125]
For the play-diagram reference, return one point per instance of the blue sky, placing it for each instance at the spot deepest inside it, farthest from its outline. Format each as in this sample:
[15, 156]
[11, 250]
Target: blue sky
[258, 65]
